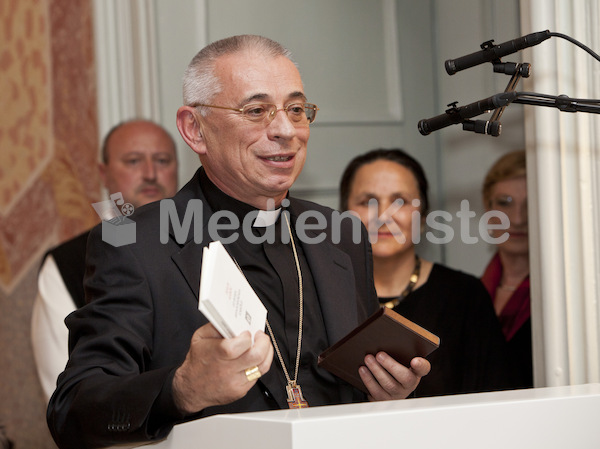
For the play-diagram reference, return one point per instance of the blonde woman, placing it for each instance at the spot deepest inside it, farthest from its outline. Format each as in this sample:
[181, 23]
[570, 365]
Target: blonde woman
[506, 277]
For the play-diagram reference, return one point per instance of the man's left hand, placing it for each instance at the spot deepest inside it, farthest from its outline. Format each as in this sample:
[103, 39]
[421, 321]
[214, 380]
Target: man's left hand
[386, 379]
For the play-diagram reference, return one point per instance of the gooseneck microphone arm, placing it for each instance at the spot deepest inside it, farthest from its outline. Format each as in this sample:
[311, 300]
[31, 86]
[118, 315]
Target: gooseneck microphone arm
[491, 53]
[456, 115]
[560, 102]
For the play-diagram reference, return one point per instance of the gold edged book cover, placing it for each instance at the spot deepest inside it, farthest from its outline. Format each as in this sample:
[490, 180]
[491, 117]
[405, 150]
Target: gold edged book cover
[386, 331]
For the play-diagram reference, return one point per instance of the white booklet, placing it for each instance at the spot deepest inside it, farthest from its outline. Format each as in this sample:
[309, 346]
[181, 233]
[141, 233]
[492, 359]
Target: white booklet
[226, 298]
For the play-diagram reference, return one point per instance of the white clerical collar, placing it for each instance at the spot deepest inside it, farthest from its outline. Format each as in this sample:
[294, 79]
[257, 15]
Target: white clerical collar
[266, 218]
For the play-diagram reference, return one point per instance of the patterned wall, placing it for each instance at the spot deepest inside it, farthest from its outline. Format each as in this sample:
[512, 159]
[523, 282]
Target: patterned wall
[48, 130]
[48, 176]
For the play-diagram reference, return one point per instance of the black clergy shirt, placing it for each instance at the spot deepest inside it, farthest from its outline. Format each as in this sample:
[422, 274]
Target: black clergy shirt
[271, 271]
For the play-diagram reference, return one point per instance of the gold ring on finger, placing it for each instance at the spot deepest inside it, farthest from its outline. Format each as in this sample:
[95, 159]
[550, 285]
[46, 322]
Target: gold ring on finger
[252, 373]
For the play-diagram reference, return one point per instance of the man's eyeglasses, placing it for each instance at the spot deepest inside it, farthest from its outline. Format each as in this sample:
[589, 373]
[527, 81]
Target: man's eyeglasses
[298, 113]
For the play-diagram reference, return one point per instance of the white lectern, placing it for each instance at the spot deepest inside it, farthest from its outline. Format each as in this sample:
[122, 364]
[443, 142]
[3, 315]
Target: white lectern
[548, 418]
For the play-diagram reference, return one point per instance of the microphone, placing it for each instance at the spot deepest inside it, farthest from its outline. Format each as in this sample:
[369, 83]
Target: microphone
[491, 53]
[492, 128]
[456, 115]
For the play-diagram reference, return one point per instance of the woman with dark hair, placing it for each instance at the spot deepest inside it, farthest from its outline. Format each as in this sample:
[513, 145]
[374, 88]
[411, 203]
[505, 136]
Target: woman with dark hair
[507, 275]
[387, 189]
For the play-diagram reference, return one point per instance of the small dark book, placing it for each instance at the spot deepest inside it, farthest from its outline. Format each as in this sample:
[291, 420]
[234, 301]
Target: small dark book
[386, 331]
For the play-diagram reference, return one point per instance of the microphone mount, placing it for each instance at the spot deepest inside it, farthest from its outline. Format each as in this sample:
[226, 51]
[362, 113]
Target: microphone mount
[462, 114]
[455, 115]
[561, 102]
[492, 53]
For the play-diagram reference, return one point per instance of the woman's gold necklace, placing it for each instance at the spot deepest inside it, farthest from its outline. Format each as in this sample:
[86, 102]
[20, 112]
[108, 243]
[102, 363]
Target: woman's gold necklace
[414, 278]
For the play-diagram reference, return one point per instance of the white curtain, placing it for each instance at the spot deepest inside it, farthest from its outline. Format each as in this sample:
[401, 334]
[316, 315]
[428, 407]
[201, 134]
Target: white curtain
[563, 158]
[126, 61]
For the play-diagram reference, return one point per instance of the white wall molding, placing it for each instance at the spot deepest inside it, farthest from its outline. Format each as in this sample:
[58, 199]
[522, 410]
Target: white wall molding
[385, 107]
[391, 51]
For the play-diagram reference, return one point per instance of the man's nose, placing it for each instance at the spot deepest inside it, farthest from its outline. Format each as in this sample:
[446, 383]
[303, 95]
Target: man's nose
[149, 171]
[281, 126]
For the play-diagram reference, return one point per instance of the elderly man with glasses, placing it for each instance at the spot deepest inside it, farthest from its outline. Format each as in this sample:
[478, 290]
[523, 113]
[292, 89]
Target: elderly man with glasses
[142, 355]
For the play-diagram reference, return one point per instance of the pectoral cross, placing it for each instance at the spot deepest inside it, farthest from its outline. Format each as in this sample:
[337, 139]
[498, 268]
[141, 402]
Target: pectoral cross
[295, 398]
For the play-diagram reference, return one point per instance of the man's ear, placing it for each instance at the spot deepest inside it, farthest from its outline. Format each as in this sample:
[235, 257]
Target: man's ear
[190, 129]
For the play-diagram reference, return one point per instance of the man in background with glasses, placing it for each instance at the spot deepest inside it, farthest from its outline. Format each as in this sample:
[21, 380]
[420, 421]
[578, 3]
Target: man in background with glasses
[142, 356]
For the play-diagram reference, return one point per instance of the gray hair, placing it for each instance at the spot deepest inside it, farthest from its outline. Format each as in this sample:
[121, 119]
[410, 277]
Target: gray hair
[200, 84]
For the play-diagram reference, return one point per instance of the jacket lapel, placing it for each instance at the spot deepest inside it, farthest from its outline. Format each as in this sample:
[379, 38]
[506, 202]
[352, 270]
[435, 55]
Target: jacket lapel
[335, 283]
[189, 258]
[334, 280]
[333, 274]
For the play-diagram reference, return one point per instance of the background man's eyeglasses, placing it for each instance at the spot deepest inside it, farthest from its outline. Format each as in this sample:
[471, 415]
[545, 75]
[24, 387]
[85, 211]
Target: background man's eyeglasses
[298, 113]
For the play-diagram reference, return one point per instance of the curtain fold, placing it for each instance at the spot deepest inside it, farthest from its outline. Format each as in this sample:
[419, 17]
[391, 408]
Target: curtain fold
[563, 169]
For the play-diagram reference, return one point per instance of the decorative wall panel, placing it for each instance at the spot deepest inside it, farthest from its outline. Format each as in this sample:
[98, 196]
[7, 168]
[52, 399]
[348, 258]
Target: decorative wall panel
[48, 130]
[48, 178]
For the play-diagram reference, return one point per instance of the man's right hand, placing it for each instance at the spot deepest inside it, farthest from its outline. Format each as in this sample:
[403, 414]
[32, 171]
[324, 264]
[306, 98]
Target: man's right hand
[214, 370]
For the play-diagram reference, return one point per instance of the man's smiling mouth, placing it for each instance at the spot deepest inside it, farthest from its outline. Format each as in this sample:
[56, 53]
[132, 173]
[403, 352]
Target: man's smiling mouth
[279, 158]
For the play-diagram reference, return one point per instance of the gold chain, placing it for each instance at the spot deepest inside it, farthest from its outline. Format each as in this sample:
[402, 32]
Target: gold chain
[414, 278]
[292, 382]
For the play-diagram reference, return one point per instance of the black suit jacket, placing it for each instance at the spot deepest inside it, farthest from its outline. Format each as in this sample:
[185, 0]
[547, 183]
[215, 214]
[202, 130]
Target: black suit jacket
[126, 344]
